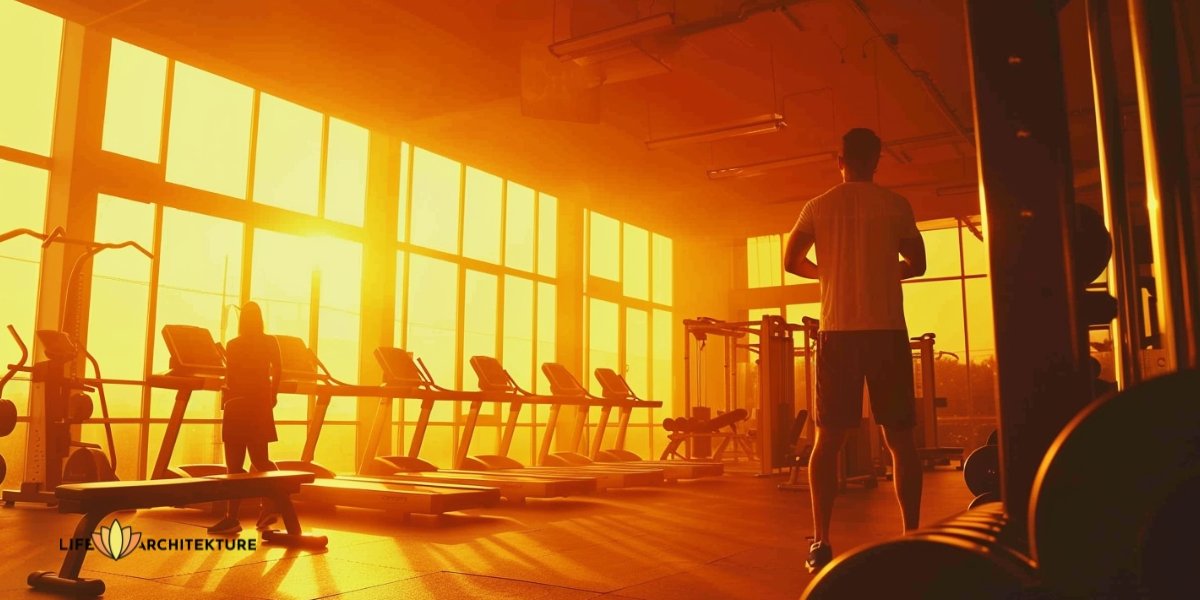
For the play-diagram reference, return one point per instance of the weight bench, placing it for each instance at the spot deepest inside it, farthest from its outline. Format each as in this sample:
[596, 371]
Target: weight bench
[684, 429]
[95, 501]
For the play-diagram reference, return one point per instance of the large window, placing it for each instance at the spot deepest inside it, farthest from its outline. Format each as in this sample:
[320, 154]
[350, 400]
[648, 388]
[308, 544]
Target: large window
[30, 44]
[628, 320]
[209, 146]
[133, 110]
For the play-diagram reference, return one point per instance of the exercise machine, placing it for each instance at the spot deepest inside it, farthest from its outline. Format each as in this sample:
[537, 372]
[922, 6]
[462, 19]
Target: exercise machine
[494, 378]
[616, 394]
[406, 378]
[195, 348]
[95, 501]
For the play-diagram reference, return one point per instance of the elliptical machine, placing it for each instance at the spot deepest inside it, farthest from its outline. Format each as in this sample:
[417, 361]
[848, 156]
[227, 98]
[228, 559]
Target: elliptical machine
[53, 454]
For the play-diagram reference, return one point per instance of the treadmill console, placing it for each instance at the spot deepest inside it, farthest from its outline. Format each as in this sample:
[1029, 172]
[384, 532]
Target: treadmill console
[193, 350]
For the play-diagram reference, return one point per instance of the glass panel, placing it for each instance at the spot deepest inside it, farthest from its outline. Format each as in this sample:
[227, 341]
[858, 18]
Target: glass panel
[664, 271]
[200, 277]
[288, 158]
[398, 332]
[479, 319]
[941, 253]
[602, 339]
[974, 254]
[197, 444]
[764, 263]
[663, 340]
[346, 172]
[756, 314]
[402, 213]
[636, 261]
[518, 330]
[337, 443]
[547, 235]
[30, 82]
[547, 320]
[120, 296]
[936, 306]
[604, 243]
[637, 349]
[518, 237]
[432, 317]
[797, 312]
[979, 316]
[340, 264]
[435, 201]
[209, 145]
[481, 219]
[23, 196]
[281, 282]
[137, 80]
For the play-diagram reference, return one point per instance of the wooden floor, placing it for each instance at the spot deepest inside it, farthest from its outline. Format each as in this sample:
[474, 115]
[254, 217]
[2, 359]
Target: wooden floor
[733, 537]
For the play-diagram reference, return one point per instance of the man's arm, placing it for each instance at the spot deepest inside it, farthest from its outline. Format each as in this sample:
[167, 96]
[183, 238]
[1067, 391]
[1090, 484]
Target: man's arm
[912, 253]
[795, 257]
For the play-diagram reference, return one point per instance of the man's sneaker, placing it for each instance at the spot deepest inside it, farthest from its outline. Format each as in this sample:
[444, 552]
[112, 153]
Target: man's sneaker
[226, 526]
[266, 519]
[819, 555]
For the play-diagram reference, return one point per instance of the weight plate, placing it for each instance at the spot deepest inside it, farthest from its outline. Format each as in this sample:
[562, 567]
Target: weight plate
[1113, 508]
[79, 407]
[3, 469]
[994, 438]
[8, 417]
[982, 470]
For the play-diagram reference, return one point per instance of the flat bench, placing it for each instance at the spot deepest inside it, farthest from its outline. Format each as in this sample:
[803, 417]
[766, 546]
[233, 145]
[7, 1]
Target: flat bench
[95, 501]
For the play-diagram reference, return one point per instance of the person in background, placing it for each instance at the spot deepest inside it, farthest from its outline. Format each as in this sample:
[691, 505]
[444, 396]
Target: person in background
[252, 374]
[858, 229]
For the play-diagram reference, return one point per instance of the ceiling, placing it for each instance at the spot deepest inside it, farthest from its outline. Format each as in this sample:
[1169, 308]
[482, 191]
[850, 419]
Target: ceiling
[473, 79]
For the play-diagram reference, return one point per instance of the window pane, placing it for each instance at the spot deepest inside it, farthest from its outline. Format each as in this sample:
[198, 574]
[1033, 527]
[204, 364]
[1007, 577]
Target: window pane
[604, 243]
[120, 296]
[137, 80]
[797, 312]
[974, 254]
[547, 329]
[30, 42]
[402, 213]
[340, 264]
[209, 145]
[199, 281]
[288, 159]
[518, 239]
[435, 201]
[481, 219]
[664, 332]
[664, 271]
[281, 282]
[346, 172]
[979, 316]
[547, 235]
[432, 315]
[756, 314]
[935, 306]
[941, 253]
[518, 329]
[636, 277]
[637, 350]
[23, 196]
[479, 320]
[602, 339]
[764, 261]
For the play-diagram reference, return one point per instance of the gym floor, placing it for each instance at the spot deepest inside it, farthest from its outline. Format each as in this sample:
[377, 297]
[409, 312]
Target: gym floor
[736, 536]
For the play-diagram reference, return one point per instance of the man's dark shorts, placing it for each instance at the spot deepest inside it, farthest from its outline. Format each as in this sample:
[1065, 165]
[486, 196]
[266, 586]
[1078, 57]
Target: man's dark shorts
[881, 357]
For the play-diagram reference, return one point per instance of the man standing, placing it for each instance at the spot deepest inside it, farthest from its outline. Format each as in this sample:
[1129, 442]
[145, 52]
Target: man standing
[858, 229]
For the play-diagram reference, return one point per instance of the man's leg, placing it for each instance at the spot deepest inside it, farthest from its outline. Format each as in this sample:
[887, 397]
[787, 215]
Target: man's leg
[909, 474]
[235, 459]
[822, 477]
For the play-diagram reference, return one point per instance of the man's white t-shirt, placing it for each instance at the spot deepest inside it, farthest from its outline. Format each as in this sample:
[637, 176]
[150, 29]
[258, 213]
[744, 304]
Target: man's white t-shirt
[858, 227]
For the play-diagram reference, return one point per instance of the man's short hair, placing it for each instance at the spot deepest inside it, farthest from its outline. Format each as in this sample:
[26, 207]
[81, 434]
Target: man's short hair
[860, 150]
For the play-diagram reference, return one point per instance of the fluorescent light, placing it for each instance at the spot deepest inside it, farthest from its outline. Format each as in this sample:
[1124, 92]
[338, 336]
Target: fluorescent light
[770, 124]
[605, 39]
[763, 167]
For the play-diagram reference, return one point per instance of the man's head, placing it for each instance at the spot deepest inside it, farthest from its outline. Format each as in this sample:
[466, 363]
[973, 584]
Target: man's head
[860, 154]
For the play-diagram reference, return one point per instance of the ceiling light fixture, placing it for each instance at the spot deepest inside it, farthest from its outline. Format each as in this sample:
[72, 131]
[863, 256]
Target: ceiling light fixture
[763, 167]
[605, 39]
[769, 124]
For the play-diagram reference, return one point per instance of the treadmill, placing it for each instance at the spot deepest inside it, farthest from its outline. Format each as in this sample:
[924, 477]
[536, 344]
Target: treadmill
[403, 380]
[197, 363]
[617, 394]
[495, 379]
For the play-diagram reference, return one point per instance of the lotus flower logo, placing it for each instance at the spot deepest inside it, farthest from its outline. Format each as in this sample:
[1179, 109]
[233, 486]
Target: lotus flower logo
[116, 542]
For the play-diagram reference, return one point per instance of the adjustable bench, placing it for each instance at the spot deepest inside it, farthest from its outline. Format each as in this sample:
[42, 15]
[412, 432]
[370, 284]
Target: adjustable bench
[95, 501]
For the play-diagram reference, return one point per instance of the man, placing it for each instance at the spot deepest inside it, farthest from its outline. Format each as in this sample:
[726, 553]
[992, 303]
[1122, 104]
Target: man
[858, 229]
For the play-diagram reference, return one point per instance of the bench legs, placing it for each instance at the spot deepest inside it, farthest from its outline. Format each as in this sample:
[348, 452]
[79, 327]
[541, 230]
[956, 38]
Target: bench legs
[294, 535]
[67, 579]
